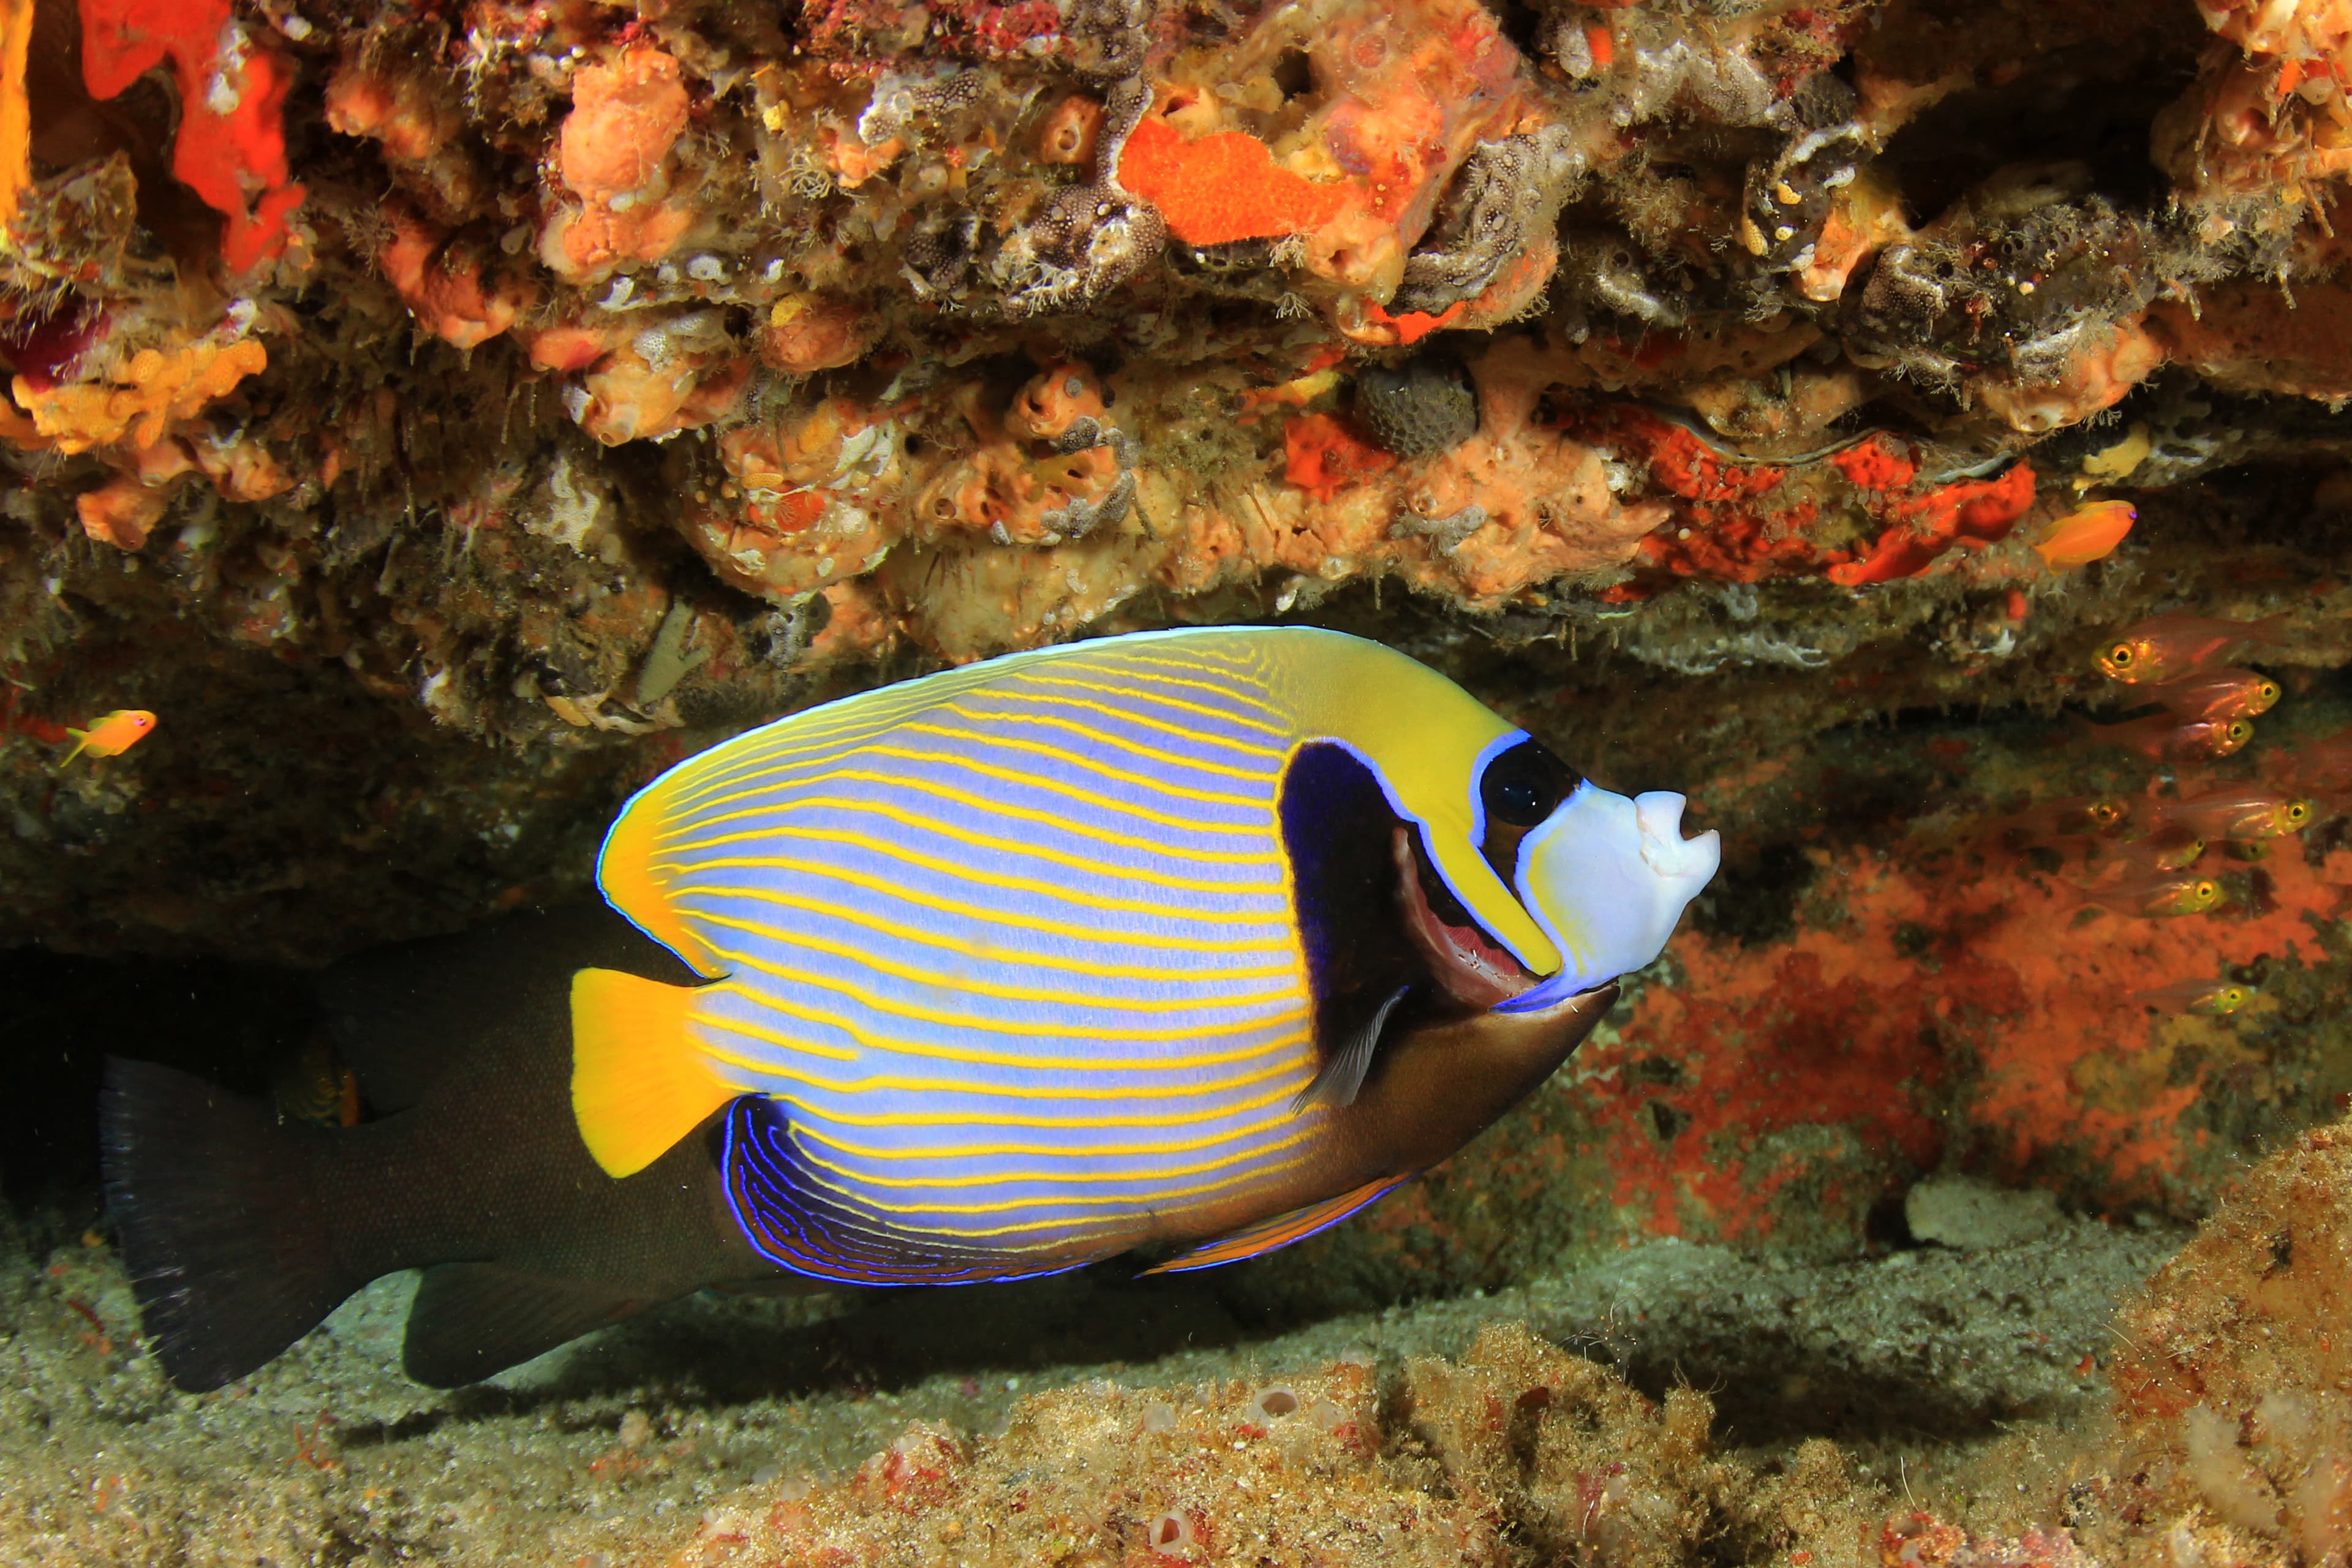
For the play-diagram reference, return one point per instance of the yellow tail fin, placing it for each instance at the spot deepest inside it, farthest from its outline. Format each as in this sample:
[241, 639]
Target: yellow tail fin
[637, 1085]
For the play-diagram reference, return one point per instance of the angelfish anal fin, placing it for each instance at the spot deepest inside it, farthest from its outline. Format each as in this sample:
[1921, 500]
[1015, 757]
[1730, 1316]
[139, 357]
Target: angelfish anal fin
[1341, 1076]
[638, 1083]
[1283, 1229]
[471, 1320]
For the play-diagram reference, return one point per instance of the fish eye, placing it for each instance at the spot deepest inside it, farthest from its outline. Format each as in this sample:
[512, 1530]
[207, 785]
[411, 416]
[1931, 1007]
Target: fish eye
[1521, 786]
[2297, 810]
[2121, 653]
[2239, 729]
[2268, 691]
[2209, 890]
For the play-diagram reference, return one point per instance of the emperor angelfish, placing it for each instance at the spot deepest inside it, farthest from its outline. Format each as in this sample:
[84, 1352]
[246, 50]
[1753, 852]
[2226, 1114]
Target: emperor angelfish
[1189, 941]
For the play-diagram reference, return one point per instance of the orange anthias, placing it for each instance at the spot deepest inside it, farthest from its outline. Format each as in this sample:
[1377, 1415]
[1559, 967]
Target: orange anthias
[112, 734]
[2088, 534]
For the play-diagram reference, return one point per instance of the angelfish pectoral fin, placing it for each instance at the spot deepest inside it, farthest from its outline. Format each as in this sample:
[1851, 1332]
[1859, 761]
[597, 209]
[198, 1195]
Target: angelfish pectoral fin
[1283, 1230]
[1336, 1084]
[637, 1084]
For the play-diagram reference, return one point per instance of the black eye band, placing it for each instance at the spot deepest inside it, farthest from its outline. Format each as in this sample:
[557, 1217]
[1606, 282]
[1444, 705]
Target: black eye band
[1523, 786]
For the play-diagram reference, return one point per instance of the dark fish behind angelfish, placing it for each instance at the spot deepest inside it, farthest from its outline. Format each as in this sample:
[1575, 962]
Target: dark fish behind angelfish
[1199, 939]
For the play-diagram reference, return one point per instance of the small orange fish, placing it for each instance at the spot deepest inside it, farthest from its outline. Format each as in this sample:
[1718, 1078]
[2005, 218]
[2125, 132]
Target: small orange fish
[2156, 894]
[2171, 648]
[2090, 533]
[2219, 694]
[2162, 737]
[112, 735]
[2240, 813]
[2208, 998]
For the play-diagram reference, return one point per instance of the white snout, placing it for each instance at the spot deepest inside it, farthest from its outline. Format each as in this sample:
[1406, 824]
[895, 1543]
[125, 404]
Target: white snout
[1607, 878]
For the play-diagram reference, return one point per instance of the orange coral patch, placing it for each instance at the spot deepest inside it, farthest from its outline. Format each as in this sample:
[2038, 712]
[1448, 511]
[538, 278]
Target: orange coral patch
[15, 114]
[1878, 464]
[626, 117]
[1222, 187]
[1324, 457]
[1411, 326]
[232, 156]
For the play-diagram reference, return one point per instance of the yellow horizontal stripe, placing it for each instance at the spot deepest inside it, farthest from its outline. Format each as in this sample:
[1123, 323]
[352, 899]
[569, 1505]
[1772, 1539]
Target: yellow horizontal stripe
[1034, 781]
[1189, 1031]
[965, 985]
[1291, 1072]
[851, 914]
[996, 916]
[776, 1038]
[1290, 1078]
[962, 1233]
[960, 872]
[970, 1151]
[1140, 1205]
[1126, 716]
[1210, 667]
[911, 784]
[988, 843]
[1081, 1177]
[1238, 677]
[1039, 720]
[1277, 729]
[1079, 760]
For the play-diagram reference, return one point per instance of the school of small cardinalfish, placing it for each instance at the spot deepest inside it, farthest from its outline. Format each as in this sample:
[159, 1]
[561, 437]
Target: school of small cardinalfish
[2146, 851]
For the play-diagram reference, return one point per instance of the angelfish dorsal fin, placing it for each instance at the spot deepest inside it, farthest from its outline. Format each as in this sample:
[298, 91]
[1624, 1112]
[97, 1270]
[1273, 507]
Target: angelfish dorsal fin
[638, 1083]
[1283, 1230]
[1341, 1076]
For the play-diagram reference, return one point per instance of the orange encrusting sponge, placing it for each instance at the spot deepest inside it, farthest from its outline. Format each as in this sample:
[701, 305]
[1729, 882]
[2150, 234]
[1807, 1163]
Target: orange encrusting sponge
[1222, 187]
[231, 148]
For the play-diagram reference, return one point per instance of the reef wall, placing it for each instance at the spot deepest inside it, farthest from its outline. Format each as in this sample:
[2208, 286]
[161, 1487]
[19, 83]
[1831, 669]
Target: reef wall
[588, 380]
[445, 415]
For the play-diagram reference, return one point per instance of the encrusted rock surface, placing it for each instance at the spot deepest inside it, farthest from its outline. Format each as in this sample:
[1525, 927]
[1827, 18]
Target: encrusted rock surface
[591, 380]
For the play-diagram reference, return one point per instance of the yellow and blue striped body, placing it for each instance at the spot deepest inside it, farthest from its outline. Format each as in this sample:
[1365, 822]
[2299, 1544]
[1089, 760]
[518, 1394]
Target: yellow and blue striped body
[1006, 967]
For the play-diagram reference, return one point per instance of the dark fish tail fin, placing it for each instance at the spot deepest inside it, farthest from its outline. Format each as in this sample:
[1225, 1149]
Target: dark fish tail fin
[227, 1245]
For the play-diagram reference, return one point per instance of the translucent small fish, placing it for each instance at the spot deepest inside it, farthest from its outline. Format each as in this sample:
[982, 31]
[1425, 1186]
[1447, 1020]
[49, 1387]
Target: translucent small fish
[2156, 894]
[2240, 813]
[113, 733]
[2207, 998]
[2074, 817]
[2172, 647]
[2087, 534]
[2166, 850]
[2219, 694]
[2162, 737]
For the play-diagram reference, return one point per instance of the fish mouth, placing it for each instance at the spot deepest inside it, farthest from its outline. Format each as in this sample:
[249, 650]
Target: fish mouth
[1468, 964]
